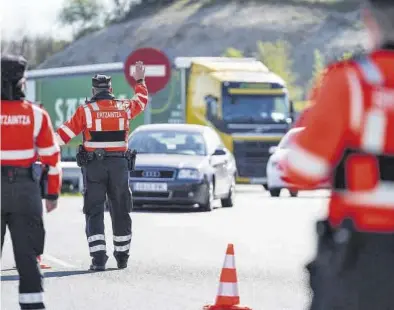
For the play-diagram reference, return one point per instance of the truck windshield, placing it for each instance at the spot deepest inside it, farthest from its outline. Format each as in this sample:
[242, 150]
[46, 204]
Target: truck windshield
[241, 108]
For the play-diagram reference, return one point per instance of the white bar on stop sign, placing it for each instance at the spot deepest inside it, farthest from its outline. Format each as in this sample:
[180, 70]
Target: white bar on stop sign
[152, 70]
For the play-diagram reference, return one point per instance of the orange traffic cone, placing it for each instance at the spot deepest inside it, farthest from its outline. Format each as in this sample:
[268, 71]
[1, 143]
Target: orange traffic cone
[42, 266]
[228, 295]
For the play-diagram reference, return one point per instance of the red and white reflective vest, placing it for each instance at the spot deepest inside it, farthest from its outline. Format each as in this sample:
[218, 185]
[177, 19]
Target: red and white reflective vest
[104, 123]
[26, 133]
[349, 133]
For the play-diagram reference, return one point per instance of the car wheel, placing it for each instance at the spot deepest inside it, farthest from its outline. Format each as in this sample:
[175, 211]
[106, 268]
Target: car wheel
[275, 192]
[229, 201]
[208, 206]
[265, 186]
[293, 193]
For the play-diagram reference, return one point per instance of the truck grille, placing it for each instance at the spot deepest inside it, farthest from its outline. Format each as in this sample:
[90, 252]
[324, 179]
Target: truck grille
[152, 173]
[252, 157]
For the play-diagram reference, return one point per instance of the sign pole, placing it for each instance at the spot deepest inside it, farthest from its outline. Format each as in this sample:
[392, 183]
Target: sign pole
[183, 95]
[148, 112]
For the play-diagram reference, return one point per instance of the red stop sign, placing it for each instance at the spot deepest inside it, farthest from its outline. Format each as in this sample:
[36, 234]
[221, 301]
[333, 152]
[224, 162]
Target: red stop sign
[157, 68]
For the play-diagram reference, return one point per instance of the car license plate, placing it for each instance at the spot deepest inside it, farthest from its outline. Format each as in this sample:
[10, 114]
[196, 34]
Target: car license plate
[150, 187]
[258, 180]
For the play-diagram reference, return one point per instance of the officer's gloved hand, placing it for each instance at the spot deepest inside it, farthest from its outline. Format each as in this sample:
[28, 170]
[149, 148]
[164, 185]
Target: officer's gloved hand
[139, 72]
[50, 205]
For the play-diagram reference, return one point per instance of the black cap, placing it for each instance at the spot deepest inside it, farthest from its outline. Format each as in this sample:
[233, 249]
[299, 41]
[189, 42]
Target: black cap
[13, 68]
[101, 81]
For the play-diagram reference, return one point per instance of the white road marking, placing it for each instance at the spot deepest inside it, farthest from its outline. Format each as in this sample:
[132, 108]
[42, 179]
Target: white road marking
[151, 70]
[58, 261]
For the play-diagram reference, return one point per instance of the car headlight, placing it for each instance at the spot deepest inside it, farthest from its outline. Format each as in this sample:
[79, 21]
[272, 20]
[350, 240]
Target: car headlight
[189, 174]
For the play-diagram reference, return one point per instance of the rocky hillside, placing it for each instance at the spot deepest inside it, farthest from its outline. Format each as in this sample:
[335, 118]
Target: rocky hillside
[195, 29]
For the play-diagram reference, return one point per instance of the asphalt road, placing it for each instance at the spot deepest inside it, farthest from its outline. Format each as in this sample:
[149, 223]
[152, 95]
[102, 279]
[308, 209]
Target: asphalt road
[177, 256]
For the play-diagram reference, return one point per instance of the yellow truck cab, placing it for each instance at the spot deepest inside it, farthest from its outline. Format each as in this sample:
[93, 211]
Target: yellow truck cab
[244, 102]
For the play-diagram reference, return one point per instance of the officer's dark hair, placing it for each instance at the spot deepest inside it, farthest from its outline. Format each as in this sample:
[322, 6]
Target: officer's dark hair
[13, 68]
[383, 14]
[101, 82]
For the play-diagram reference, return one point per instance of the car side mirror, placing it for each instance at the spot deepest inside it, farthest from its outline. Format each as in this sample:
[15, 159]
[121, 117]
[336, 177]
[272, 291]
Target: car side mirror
[219, 152]
[272, 149]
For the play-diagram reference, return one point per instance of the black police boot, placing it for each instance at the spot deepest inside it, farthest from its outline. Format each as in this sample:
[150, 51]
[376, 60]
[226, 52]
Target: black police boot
[98, 263]
[122, 262]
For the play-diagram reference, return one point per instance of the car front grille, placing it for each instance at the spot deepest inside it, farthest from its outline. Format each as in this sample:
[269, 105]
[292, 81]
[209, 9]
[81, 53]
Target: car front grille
[152, 173]
[252, 157]
[151, 195]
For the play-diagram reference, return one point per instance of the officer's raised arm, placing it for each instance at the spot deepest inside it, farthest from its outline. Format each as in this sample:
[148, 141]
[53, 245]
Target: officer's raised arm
[73, 127]
[139, 101]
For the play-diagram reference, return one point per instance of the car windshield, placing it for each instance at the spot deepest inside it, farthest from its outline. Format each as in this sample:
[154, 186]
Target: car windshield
[250, 108]
[289, 138]
[168, 142]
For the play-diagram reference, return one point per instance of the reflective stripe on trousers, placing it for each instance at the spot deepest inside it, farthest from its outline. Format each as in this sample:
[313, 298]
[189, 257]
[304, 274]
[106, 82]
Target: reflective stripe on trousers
[32, 300]
[96, 243]
[122, 243]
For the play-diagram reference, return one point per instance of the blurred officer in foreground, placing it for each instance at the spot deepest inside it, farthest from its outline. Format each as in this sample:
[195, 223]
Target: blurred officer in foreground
[349, 135]
[105, 161]
[26, 131]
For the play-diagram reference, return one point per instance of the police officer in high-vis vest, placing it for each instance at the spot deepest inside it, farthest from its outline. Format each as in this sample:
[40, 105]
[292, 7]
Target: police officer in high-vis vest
[349, 137]
[26, 133]
[105, 161]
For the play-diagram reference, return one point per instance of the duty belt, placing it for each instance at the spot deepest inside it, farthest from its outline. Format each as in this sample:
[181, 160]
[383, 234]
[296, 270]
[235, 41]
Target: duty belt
[115, 154]
[12, 173]
[83, 157]
[102, 154]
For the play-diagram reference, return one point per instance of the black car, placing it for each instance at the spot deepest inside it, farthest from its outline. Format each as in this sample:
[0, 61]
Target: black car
[181, 165]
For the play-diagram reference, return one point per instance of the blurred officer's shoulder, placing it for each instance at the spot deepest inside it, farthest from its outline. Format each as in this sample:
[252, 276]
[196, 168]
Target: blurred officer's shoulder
[349, 62]
[337, 69]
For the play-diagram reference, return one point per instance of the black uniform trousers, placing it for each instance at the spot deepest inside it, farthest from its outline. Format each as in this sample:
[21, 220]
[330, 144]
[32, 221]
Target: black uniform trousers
[352, 271]
[21, 212]
[102, 178]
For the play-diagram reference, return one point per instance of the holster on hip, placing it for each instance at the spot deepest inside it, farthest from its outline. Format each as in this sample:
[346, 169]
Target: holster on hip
[82, 156]
[131, 157]
[44, 182]
[338, 248]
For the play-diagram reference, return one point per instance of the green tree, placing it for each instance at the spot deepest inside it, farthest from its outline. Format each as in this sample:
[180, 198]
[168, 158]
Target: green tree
[318, 67]
[81, 15]
[35, 49]
[233, 52]
[276, 56]
[120, 9]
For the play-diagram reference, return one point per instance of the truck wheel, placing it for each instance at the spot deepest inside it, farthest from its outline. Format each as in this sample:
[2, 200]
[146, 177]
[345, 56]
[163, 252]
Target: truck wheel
[265, 187]
[293, 193]
[208, 206]
[229, 201]
[275, 192]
